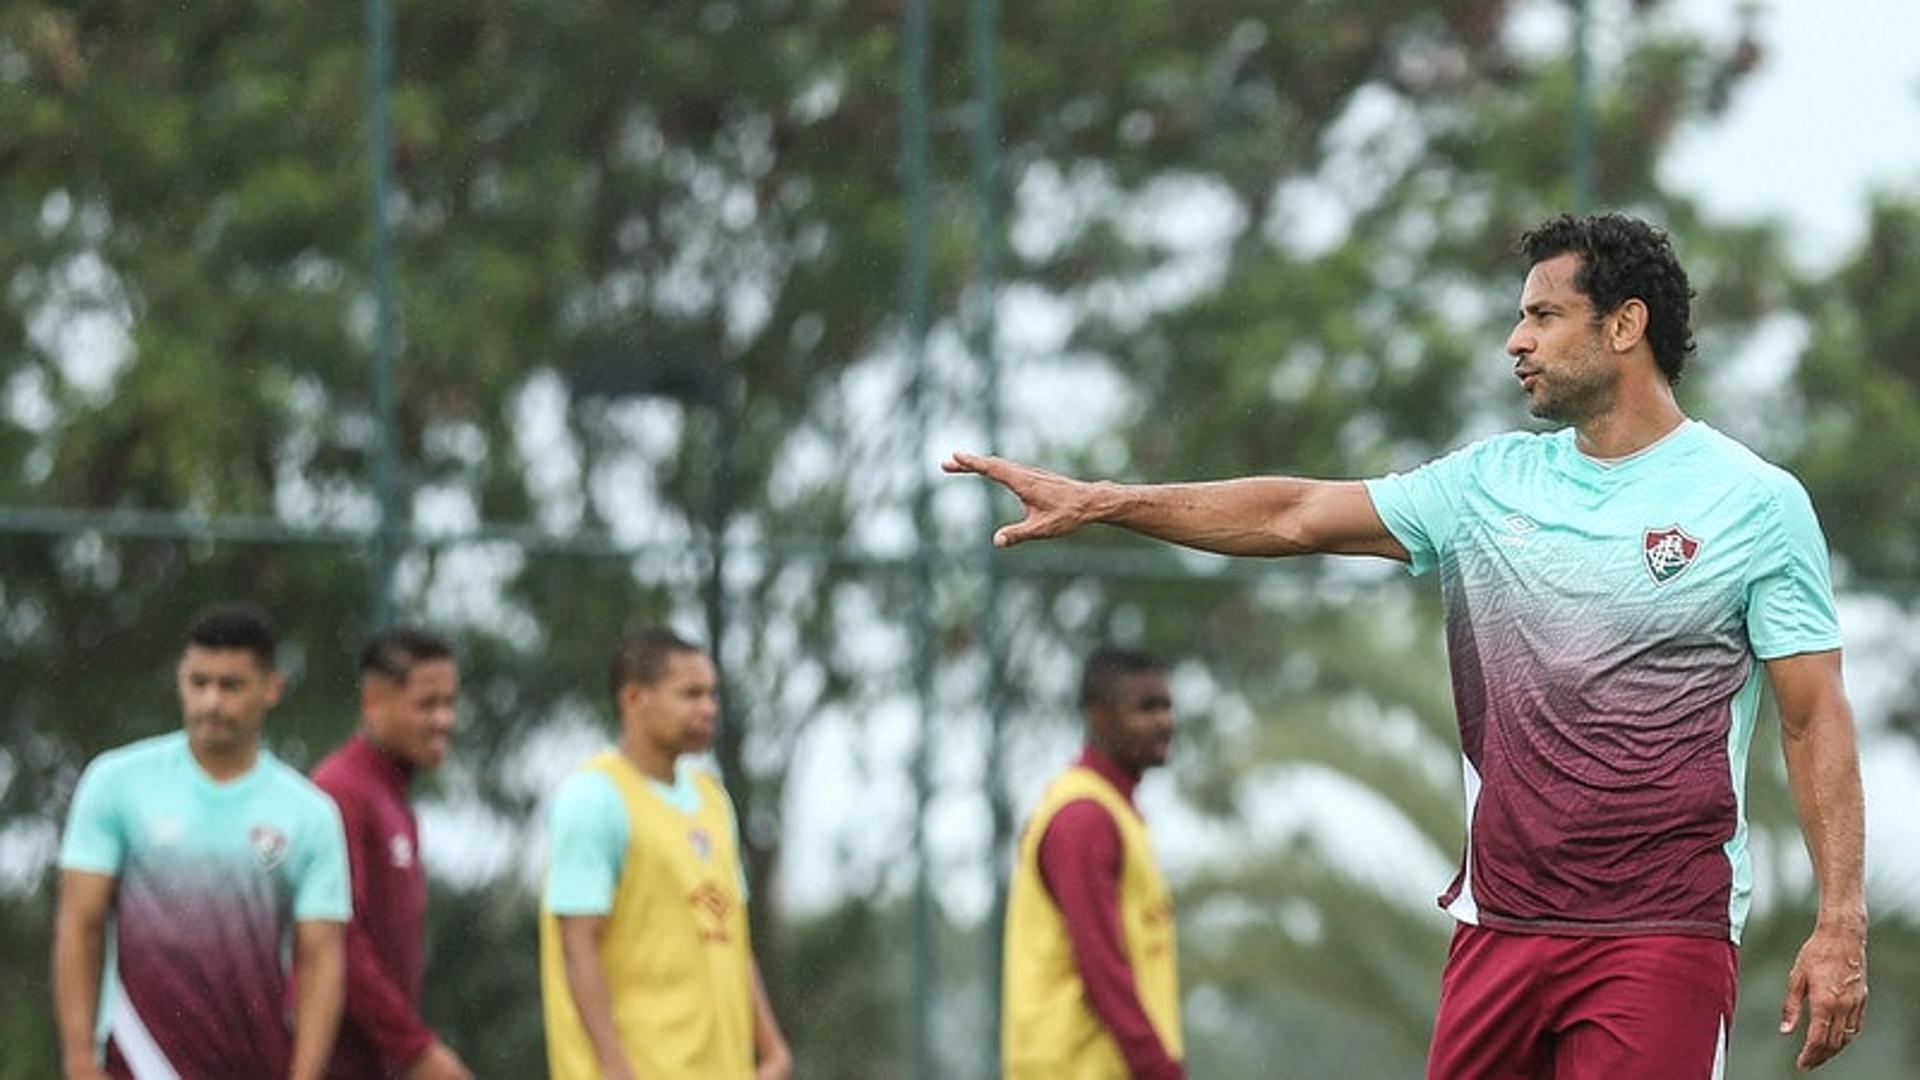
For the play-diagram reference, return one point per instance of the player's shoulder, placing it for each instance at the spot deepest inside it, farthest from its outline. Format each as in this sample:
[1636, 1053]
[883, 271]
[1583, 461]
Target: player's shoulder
[340, 771]
[1083, 809]
[131, 771]
[1516, 446]
[587, 804]
[1506, 451]
[290, 786]
[139, 756]
[1737, 463]
[586, 789]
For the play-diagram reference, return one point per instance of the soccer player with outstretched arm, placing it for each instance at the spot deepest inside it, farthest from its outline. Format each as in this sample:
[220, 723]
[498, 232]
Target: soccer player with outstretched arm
[1615, 594]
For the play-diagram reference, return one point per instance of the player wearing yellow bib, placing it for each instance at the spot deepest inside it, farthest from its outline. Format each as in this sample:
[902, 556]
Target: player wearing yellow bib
[1092, 989]
[646, 965]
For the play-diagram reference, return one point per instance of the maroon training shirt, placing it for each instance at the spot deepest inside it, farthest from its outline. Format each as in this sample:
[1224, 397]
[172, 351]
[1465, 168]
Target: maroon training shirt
[1080, 860]
[382, 1033]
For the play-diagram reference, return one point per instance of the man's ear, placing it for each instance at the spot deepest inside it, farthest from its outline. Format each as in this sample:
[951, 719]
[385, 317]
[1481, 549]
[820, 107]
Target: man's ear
[1627, 326]
[630, 693]
[1097, 723]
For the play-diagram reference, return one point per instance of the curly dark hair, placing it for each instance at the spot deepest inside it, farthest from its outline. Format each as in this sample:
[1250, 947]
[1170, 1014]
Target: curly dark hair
[1623, 258]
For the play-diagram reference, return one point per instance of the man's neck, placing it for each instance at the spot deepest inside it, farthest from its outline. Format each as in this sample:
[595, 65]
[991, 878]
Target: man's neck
[406, 767]
[1105, 761]
[1637, 421]
[649, 760]
[222, 766]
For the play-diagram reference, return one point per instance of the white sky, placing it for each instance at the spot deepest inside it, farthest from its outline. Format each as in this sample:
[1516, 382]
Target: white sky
[1832, 114]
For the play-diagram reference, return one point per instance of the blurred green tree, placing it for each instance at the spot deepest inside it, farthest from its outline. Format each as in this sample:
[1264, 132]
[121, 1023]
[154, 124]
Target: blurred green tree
[647, 263]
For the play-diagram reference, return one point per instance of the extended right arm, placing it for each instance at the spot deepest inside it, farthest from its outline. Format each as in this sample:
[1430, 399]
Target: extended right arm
[79, 945]
[1256, 515]
[587, 984]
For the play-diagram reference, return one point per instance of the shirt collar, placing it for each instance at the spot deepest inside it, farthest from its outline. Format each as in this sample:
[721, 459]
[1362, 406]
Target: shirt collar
[1110, 770]
[395, 772]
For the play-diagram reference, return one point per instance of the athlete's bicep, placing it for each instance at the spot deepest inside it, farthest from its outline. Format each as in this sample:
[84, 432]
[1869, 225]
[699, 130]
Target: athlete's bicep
[86, 898]
[1809, 688]
[580, 933]
[1339, 518]
[320, 941]
[580, 937]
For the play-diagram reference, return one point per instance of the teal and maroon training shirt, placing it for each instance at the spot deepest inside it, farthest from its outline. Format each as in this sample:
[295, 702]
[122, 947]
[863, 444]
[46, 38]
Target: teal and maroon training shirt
[210, 879]
[1604, 619]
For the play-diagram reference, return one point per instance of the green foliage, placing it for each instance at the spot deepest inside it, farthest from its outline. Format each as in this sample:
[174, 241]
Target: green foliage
[1860, 382]
[680, 227]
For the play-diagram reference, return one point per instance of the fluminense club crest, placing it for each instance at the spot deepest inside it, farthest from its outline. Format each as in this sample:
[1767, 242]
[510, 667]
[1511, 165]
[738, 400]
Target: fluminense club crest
[269, 845]
[1669, 552]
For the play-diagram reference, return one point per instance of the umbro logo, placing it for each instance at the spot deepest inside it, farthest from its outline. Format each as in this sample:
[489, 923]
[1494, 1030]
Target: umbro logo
[1516, 528]
[1668, 552]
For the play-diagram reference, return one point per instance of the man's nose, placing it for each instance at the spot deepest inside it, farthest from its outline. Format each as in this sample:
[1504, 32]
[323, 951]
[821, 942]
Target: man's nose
[1520, 342]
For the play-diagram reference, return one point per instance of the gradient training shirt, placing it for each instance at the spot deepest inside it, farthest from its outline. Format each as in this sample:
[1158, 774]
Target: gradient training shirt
[210, 878]
[1603, 622]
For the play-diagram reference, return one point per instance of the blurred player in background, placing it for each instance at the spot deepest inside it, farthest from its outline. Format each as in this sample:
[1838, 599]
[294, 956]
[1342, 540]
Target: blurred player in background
[409, 685]
[646, 964]
[1092, 988]
[207, 854]
[1614, 592]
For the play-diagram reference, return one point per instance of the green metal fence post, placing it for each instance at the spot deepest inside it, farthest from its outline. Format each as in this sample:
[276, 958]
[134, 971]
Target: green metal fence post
[386, 539]
[984, 331]
[919, 222]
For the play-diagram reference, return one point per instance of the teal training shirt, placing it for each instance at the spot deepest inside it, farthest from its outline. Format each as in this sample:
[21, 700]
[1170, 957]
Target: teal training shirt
[587, 835]
[209, 880]
[1603, 622]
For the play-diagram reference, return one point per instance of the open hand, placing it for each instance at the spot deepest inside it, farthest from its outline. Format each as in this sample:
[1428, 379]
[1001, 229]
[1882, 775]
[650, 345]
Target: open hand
[1829, 978]
[1055, 505]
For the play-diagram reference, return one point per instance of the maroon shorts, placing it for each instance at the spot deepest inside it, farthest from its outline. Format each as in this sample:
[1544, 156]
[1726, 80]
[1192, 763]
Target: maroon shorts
[1538, 1007]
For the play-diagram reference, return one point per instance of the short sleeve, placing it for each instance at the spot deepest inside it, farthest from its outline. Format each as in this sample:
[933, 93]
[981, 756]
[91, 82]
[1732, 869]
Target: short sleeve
[96, 837]
[324, 888]
[1790, 606]
[586, 845]
[1420, 507]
